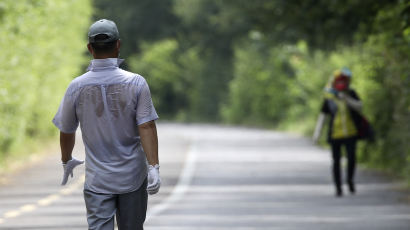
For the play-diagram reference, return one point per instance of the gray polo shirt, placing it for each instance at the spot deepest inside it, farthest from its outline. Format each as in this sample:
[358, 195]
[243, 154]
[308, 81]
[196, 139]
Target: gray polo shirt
[109, 103]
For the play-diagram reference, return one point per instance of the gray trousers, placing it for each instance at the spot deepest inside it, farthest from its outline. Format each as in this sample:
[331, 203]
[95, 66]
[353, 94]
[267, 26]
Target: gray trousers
[130, 209]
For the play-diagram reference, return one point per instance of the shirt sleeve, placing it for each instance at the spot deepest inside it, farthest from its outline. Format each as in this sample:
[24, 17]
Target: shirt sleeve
[145, 108]
[66, 119]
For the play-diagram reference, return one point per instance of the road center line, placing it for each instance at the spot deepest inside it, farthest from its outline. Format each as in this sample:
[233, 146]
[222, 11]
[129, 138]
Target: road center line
[177, 193]
[46, 201]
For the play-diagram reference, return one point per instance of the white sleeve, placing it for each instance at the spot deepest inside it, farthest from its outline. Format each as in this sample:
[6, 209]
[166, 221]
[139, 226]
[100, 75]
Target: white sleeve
[145, 108]
[66, 118]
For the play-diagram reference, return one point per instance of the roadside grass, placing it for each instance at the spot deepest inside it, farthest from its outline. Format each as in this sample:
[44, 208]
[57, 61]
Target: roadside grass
[29, 153]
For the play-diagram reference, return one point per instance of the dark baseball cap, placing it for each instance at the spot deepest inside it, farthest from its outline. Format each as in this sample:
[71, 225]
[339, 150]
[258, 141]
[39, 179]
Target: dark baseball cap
[103, 27]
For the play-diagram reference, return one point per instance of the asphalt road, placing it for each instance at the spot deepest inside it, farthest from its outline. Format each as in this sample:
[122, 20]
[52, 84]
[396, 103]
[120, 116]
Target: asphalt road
[218, 178]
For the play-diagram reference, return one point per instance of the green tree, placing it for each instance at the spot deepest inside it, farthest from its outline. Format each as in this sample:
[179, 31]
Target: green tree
[171, 74]
[259, 90]
[138, 21]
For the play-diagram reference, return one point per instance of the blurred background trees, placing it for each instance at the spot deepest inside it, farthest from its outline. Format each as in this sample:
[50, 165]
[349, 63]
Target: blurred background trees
[260, 63]
[41, 44]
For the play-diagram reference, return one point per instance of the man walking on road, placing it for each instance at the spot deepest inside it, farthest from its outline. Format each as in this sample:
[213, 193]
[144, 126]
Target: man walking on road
[117, 119]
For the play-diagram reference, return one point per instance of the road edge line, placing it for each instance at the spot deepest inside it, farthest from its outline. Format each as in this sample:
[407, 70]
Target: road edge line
[184, 180]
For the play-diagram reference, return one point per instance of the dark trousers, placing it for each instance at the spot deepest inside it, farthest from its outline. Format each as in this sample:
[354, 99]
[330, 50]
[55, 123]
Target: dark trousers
[350, 145]
[129, 208]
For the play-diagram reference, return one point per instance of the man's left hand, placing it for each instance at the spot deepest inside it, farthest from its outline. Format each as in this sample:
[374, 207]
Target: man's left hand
[154, 181]
[68, 169]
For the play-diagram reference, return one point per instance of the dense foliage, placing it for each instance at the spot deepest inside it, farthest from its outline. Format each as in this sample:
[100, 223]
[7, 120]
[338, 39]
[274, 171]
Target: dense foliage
[42, 44]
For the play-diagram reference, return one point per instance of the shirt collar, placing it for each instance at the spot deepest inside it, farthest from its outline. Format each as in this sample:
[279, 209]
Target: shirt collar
[104, 64]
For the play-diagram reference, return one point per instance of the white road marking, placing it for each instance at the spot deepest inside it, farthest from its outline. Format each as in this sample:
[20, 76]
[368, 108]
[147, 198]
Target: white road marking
[182, 185]
[221, 218]
[179, 227]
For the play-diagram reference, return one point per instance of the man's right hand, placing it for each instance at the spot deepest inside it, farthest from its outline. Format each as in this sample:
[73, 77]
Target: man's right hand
[154, 181]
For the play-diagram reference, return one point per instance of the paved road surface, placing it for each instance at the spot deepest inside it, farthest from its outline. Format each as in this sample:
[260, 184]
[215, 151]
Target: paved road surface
[219, 178]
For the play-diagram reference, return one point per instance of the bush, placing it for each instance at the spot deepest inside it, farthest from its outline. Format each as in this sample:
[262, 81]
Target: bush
[42, 43]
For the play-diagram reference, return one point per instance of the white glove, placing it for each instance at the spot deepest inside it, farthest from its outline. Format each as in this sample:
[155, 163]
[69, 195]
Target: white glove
[68, 169]
[154, 181]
